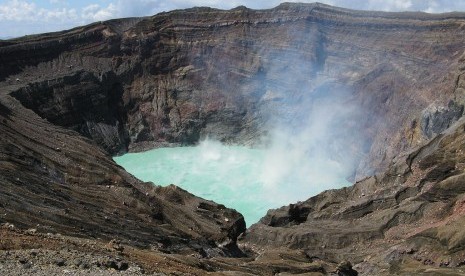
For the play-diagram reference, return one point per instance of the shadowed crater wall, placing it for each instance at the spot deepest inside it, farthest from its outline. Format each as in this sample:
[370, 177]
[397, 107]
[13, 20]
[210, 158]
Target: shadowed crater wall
[70, 100]
[177, 77]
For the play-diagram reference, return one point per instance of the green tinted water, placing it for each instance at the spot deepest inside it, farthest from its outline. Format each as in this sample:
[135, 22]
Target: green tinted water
[251, 181]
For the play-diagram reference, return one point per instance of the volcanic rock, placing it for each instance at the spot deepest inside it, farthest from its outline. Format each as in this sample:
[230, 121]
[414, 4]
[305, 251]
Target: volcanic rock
[415, 208]
[133, 84]
[72, 99]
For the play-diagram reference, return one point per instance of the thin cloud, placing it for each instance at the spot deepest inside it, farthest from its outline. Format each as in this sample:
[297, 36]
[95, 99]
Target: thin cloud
[17, 11]
[96, 13]
[24, 11]
[60, 2]
[62, 14]
[20, 17]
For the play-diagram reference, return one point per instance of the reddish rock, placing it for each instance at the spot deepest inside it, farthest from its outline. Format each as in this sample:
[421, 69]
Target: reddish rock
[70, 100]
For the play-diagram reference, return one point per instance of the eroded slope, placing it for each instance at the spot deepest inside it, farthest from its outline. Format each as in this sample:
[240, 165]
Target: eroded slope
[68, 100]
[180, 76]
[412, 212]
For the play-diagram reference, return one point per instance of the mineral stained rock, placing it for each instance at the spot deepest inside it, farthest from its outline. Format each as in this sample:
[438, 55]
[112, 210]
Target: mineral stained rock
[69, 100]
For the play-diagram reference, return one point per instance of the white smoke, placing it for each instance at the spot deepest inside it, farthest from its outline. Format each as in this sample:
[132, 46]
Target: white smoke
[310, 120]
[313, 150]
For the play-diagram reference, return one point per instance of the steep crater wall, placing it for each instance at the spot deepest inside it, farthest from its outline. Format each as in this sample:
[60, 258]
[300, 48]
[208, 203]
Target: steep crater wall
[81, 102]
[178, 77]
[70, 100]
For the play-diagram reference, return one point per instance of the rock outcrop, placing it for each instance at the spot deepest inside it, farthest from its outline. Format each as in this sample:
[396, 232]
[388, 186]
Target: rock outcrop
[412, 211]
[56, 180]
[70, 100]
[176, 77]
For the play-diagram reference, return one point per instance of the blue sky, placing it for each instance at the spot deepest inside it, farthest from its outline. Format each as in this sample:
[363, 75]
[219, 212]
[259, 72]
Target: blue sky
[21, 17]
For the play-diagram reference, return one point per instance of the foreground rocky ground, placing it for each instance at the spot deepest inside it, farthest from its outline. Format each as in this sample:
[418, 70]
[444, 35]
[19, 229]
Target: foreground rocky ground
[29, 252]
[32, 253]
[71, 100]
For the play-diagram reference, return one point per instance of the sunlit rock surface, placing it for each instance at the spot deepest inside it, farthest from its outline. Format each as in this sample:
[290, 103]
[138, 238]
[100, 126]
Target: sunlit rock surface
[70, 100]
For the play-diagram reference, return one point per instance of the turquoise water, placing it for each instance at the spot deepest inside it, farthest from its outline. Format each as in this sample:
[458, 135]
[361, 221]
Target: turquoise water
[251, 181]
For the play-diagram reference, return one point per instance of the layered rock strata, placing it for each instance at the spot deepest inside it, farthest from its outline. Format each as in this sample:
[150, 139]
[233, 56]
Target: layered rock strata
[70, 100]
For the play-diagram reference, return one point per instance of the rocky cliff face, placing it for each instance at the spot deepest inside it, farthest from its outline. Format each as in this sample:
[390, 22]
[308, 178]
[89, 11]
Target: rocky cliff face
[55, 180]
[180, 76]
[69, 100]
[411, 212]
